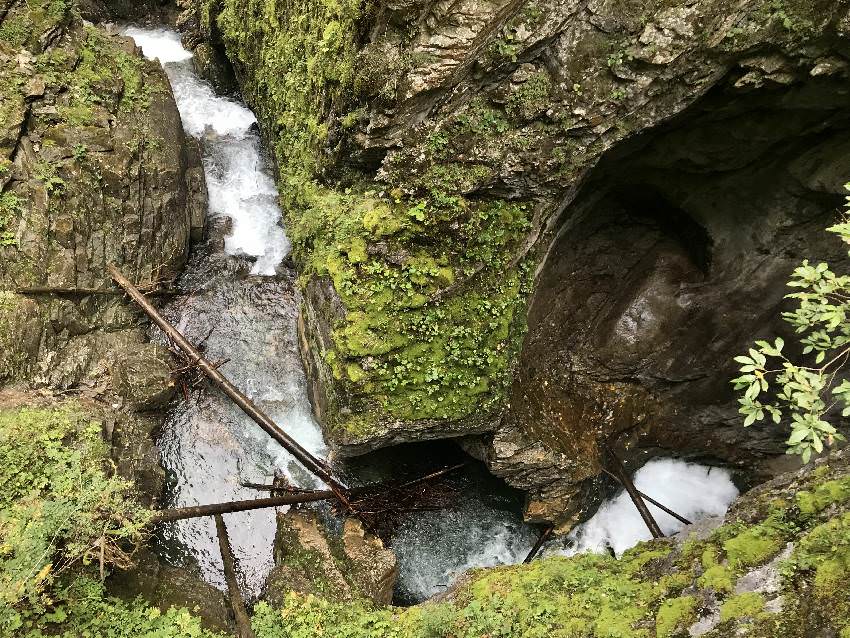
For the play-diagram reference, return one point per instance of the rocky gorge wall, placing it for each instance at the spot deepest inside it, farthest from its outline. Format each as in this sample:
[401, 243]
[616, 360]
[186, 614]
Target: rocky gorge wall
[550, 224]
[94, 169]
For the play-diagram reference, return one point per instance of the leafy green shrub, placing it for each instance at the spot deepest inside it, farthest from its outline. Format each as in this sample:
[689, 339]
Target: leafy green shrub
[58, 509]
[82, 610]
[776, 384]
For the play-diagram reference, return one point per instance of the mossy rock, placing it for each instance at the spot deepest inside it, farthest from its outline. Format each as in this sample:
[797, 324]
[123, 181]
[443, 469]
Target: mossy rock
[655, 590]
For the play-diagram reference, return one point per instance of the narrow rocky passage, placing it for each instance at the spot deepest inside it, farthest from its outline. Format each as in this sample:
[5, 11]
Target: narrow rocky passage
[241, 306]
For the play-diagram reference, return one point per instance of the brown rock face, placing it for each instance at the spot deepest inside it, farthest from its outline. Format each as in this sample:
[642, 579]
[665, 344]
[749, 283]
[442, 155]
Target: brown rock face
[95, 170]
[668, 263]
[309, 559]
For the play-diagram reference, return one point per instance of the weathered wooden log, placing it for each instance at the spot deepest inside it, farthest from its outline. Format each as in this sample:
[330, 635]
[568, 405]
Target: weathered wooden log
[544, 536]
[624, 478]
[83, 292]
[240, 613]
[196, 511]
[651, 500]
[313, 464]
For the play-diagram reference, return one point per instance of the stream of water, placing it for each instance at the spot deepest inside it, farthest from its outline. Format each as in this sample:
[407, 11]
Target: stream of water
[241, 306]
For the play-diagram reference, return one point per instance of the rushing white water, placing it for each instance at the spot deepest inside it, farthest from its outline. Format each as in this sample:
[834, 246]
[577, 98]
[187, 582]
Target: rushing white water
[435, 548]
[691, 490]
[208, 446]
[239, 183]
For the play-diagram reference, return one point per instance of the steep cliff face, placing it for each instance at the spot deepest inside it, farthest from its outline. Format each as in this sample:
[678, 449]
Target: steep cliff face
[628, 182]
[674, 256]
[94, 169]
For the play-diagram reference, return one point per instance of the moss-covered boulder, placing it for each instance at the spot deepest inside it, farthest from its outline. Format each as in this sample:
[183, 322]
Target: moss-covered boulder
[310, 559]
[774, 567]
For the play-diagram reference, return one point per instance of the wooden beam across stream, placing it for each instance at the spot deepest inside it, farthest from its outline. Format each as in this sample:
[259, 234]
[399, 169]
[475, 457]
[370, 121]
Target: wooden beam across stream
[214, 509]
[314, 465]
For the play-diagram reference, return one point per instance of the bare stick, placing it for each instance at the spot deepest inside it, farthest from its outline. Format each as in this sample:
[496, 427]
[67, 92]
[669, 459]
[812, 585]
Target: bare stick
[626, 480]
[196, 511]
[314, 465]
[56, 290]
[243, 622]
[433, 475]
[649, 499]
[544, 535]
[365, 489]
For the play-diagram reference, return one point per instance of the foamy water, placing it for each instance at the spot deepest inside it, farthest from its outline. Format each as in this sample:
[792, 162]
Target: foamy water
[208, 446]
[240, 185]
[435, 548]
[689, 489]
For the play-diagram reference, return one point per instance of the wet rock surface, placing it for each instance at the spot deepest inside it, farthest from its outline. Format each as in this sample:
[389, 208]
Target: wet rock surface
[671, 261]
[95, 170]
[311, 560]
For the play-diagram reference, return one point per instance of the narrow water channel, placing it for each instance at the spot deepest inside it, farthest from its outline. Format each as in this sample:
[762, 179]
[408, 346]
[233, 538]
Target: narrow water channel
[241, 304]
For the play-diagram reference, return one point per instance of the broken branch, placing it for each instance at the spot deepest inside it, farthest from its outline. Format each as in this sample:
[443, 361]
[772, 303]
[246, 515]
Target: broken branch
[649, 499]
[626, 480]
[240, 613]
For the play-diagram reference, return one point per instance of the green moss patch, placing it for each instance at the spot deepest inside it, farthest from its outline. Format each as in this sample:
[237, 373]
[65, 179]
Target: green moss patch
[416, 341]
[754, 546]
[743, 606]
[432, 288]
[58, 509]
[675, 615]
[823, 495]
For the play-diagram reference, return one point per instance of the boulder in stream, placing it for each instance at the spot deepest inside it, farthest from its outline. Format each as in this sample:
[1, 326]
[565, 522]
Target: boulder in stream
[310, 559]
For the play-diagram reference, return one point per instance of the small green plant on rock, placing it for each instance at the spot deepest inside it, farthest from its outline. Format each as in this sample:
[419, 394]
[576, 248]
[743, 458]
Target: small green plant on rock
[58, 509]
[777, 384]
[11, 207]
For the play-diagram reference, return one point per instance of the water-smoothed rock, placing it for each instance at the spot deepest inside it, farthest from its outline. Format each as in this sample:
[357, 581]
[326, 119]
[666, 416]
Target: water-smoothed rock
[625, 186]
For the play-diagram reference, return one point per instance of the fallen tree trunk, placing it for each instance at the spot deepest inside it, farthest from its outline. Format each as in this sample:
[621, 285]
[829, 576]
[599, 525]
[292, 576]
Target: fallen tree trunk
[314, 465]
[240, 613]
[544, 535]
[651, 500]
[196, 511]
[626, 480]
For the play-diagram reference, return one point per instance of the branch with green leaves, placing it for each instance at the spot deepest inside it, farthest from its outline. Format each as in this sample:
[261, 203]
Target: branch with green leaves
[806, 392]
